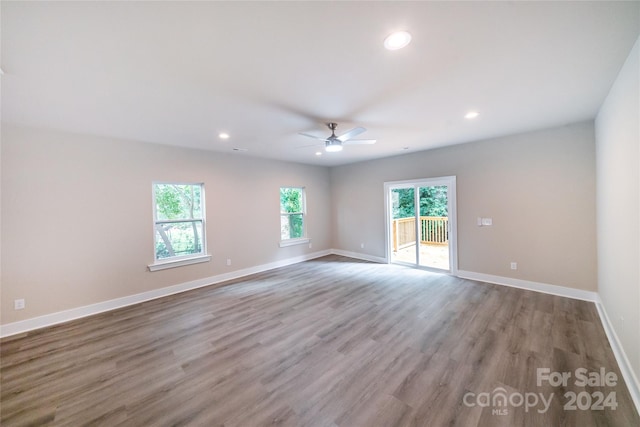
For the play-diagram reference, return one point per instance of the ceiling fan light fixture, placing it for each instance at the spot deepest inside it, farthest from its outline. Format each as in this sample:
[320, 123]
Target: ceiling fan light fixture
[333, 146]
[334, 143]
[397, 40]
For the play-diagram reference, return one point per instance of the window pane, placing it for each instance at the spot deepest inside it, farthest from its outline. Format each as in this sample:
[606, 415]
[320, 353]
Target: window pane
[403, 203]
[290, 200]
[178, 239]
[291, 226]
[178, 201]
[433, 201]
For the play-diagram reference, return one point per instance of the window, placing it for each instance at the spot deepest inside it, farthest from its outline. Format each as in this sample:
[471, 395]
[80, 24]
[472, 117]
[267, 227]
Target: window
[179, 226]
[292, 216]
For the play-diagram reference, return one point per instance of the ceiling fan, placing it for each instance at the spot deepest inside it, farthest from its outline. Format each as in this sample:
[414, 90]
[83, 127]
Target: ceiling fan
[334, 143]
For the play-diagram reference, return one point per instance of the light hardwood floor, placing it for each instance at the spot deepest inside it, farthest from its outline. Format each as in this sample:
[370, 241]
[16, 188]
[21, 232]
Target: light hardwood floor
[328, 342]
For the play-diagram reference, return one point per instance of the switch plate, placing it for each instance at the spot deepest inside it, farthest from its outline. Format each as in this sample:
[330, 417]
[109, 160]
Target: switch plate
[487, 221]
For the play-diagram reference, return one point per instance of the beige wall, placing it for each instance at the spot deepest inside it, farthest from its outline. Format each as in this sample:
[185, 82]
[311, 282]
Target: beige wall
[77, 216]
[77, 229]
[618, 206]
[538, 187]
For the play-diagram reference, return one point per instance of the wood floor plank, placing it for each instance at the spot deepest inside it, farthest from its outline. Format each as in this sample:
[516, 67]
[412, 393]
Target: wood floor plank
[330, 342]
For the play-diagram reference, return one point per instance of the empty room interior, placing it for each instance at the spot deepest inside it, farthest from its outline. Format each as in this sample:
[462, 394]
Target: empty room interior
[346, 214]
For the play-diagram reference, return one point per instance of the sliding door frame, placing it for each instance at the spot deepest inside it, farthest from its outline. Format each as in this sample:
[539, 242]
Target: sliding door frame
[450, 182]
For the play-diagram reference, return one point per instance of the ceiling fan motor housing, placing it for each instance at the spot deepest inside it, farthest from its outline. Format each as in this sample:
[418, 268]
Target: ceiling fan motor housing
[333, 144]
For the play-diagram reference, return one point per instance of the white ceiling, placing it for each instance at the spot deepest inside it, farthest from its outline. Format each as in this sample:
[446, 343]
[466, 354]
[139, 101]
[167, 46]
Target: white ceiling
[179, 73]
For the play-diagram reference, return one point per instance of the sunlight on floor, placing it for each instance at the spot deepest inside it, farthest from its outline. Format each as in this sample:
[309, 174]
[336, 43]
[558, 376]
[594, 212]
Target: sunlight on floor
[434, 256]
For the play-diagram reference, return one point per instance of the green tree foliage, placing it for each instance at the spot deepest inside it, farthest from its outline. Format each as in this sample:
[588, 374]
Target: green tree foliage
[433, 202]
[178, 201]
[291, 202]
[175, 202]
[403, 203]
[295, 226]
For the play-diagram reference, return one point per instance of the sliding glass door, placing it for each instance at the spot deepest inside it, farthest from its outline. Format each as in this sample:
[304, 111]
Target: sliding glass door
[403, 225]
[421, 223]
[433, 201]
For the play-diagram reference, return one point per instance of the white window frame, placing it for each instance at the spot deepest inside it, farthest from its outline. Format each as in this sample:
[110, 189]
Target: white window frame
[178, 261]
[296, 240]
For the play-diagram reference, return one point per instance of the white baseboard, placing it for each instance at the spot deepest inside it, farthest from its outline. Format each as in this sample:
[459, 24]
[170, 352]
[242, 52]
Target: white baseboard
[88, 310]
[531, 286]
[633, 385]
[357, 255]
[64, 316]
[630, 378]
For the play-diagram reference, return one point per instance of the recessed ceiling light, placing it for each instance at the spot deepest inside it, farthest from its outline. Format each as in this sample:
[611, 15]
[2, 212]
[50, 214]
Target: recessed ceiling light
[471, 115]
[318, 153]
[397, 40]
[223, 135]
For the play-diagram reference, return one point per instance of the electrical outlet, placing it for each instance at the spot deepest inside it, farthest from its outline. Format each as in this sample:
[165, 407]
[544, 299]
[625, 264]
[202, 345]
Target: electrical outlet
[228, 261]
[18, 304]
[361, 245]
[310, 246]
[514, 265]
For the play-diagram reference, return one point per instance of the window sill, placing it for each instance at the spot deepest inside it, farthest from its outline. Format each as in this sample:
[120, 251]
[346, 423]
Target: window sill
[163, 265]
[293, 242]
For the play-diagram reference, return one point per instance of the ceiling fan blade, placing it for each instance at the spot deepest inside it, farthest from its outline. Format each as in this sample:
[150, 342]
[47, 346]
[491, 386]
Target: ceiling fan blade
[312, 136]
[350, 134]
[307, 146]
[360, 142]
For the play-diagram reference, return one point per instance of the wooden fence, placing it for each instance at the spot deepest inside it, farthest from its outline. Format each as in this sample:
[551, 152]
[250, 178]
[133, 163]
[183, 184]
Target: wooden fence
[434, 230]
